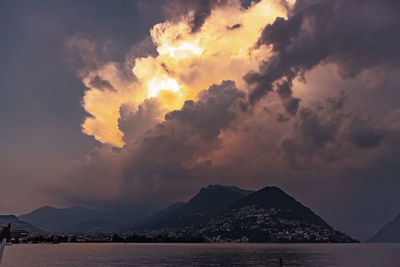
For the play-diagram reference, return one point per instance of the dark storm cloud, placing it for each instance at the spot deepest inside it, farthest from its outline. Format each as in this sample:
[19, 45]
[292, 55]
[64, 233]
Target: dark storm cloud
[234, 27]
[247, 3]
[166, 161]
[134, 124]
[354, 34]
[162, 163]
[144, 48]
[212, 112]
[201, 10]
[281, 118]
[367, 137]
[329, 131]
[192, 130]
[101, 84]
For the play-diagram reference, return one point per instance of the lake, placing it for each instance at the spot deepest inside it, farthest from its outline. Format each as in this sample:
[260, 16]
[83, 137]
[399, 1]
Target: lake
[108, 254]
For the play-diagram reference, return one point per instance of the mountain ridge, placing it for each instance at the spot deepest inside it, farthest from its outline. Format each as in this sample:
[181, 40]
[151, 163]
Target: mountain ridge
[53, 219]
[208, 202]
[390, 232]
[270, 215]
[17, 224]
[266, 215]
[217, 213]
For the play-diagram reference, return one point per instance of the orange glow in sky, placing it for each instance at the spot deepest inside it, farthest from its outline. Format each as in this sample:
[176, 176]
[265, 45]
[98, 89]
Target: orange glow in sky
[186, 64]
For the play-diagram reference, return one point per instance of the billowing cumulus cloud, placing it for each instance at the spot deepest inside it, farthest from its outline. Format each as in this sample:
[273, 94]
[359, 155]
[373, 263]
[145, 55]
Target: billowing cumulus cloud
[356, 35]
[168, 154]
[186, 62]
[226, 92]
[134, 124]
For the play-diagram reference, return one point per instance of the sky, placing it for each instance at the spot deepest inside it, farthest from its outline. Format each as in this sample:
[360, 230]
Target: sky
[141, 103]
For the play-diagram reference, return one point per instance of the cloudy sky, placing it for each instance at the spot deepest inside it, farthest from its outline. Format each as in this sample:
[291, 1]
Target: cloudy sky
[141, 103]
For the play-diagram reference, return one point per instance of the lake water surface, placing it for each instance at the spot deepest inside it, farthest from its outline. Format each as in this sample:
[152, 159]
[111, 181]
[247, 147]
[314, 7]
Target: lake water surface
[45, 255]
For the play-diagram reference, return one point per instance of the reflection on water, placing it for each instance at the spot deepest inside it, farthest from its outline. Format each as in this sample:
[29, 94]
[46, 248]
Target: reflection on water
[45, 255]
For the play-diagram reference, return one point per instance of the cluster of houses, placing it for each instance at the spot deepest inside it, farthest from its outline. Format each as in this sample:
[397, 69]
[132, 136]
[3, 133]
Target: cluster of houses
[256, 224]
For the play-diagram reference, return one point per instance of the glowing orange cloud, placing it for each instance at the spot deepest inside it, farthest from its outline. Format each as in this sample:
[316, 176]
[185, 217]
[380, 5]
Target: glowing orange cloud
[186, 64]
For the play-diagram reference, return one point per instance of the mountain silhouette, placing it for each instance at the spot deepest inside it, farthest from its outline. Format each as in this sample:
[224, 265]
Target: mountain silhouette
[55, 220]
[209, 202]
[17, 224]
[388, 233]
[230, 214]
[270, 215]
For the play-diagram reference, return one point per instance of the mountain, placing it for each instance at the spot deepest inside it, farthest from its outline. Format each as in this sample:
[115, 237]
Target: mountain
[160, 214]
[208, 203]
[17, 224]
[92, 226]
[55, 220]
[388, 233]
[229, 214]
[78, 219]
[269, 215]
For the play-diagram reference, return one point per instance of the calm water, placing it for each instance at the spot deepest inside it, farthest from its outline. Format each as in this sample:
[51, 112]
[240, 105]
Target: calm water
[44, 255]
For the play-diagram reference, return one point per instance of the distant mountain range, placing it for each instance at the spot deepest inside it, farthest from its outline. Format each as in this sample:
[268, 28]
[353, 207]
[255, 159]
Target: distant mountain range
[75, 219]
[225, 214]
[388, 233]
[17, 224]
[217, 213]
[78, 219]
[59, 220]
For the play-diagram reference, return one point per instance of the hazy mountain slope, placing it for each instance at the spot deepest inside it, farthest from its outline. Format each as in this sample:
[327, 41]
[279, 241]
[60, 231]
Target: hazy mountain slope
[160, 214]
[388, 233]
[54, 220]
[17, 224]
[93, 226]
